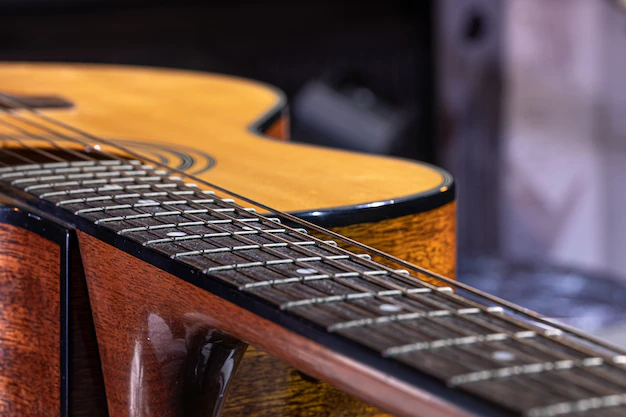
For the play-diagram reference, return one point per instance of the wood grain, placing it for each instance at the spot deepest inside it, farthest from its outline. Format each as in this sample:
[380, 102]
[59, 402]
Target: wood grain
[425, 239]
[30, 323]
[133, 302]
[267, 387]
[212, 113]
[155, 106]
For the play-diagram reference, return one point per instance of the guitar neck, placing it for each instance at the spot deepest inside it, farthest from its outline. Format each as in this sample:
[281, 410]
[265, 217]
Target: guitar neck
[412, 324]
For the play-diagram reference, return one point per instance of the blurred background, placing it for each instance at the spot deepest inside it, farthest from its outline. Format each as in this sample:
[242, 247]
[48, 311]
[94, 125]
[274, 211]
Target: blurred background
[522, 100]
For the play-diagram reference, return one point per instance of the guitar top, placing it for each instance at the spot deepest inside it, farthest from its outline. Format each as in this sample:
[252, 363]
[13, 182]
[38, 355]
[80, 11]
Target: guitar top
[211, 126]
[184, 232]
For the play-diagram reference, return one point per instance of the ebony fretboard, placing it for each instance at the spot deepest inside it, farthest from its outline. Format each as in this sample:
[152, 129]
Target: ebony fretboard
[534, 371]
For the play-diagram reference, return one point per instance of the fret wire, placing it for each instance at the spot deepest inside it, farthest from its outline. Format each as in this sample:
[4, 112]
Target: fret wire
[587, 404]
[89, 178]
[586, 365]
[506, 318]
[609, 347]
[523, 340]
[295, 260]
[346, 297]
[581, 381]
[431, 274]
[533, 368]
[208, 235]
[551, 366]
[421, 270]
[231, 219]
[53, 132]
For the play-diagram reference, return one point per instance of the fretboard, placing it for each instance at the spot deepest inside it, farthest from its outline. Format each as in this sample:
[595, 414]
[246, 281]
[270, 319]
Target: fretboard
[538, 372]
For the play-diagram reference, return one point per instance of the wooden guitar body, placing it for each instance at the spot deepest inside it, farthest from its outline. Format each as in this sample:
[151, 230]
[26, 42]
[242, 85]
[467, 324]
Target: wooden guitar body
[86, 329]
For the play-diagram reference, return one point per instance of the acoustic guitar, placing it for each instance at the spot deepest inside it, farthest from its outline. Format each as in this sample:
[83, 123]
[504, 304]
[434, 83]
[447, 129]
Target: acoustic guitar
[166, 251]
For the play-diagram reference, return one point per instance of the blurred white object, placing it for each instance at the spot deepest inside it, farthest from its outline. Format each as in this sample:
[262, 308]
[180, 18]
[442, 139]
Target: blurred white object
[564, 138]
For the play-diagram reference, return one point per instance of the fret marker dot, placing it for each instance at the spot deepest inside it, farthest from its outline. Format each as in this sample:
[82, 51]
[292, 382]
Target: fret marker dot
[177, 234]
[389, 307]
[503, 355]
[306, 271]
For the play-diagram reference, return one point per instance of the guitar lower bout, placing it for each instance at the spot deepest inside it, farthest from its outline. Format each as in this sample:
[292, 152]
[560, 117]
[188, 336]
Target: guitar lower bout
[101, 330]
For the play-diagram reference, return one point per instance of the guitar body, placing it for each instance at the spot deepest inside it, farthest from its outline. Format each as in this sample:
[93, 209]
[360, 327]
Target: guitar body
[56, 311]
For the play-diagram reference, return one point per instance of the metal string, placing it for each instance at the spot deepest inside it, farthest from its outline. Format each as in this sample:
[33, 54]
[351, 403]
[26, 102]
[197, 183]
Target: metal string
[511, 306]
[25, 132]
[299, 248]
[418, 269]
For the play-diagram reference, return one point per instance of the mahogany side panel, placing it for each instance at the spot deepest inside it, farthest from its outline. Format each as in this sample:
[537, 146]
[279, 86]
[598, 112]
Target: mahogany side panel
[426, 239]
[279, 129]
[144, 316]
[29, 324]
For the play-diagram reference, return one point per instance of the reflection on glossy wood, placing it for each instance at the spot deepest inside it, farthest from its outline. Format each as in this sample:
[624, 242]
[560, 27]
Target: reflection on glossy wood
[144, 317]
[148, 107]
[152, 105]
[267, 387]
[29, 323]
[426, 239]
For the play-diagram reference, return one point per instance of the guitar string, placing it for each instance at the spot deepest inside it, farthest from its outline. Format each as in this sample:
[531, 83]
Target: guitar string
[463, 300]
[519, 310]
[83, 144]
[515, 381]
[469, 354]
[25, 132]
[511, 306]
[363, 289]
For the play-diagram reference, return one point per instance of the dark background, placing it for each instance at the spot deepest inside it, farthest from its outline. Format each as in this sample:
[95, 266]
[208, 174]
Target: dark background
[383, 46]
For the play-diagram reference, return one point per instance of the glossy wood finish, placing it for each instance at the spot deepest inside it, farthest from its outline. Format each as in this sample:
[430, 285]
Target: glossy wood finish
[29, 324]
[214, 113]
[143, 316]
[267, 387]
[426, 239]
[147, 105]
